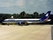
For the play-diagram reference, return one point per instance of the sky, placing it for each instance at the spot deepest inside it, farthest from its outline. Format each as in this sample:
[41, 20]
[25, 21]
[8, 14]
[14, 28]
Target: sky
[29, 6]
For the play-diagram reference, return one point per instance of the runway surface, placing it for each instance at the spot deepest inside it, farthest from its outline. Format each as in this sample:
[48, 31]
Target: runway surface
[30, 32]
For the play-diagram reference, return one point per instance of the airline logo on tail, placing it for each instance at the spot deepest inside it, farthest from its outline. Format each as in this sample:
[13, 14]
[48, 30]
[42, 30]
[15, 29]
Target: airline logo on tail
[46, 16]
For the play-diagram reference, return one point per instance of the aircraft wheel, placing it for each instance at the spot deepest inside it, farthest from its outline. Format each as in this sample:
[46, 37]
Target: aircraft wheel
[25, 23]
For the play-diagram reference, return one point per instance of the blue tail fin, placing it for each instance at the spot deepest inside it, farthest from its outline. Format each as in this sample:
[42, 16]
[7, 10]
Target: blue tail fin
[46, 16]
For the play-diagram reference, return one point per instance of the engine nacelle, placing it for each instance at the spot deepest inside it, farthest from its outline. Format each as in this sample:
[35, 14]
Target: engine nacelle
[19, 23]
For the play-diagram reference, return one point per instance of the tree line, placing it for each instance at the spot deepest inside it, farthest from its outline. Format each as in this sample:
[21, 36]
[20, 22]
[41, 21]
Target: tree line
[23, 14]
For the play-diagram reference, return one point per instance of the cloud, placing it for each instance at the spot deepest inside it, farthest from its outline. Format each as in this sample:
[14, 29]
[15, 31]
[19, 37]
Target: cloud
[19, 3]
[37, 5]
[41, 3]
[31, 2]
[5, 4]
[10, 3]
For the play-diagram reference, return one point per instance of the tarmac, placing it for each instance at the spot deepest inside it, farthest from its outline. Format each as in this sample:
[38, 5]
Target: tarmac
[30, 32]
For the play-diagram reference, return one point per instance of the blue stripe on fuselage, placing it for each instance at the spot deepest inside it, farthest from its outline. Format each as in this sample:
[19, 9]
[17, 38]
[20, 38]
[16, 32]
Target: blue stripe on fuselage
[21, 21]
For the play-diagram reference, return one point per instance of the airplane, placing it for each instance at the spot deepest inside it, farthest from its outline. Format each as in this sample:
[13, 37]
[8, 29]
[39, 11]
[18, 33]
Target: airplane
[28, 21]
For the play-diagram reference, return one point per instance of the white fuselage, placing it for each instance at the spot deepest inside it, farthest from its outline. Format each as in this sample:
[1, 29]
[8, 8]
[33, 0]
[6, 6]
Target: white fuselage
[17, 20]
